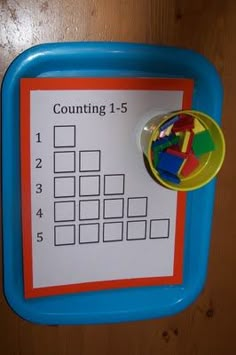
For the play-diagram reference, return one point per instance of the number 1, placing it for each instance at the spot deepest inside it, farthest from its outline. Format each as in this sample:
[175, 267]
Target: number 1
[112, 108]
[38, 138]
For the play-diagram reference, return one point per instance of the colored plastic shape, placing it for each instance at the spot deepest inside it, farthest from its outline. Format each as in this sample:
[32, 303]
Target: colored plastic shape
[190, 165]
[203, 143]
[170, 163]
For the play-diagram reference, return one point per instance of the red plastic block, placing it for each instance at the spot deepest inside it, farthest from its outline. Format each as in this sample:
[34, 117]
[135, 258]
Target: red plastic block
[185, 123]
[190, 165]
[175, 147]
[175, 151]
[187, 118]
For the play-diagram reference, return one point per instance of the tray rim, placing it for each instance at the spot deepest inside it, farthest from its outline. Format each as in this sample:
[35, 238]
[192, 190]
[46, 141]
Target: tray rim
[186, 61]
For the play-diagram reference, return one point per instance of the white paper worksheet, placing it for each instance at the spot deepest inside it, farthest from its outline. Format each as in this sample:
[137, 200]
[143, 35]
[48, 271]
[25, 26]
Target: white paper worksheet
[93, 217]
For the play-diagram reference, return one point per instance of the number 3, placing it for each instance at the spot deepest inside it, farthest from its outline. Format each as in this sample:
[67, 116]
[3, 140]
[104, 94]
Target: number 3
[39, 188]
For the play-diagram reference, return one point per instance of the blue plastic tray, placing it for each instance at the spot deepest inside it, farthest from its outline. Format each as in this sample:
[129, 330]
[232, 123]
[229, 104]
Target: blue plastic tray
[105, 60]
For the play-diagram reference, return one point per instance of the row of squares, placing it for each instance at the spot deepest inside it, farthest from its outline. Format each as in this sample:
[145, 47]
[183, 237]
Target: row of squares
[65, 211]
[89, 161]
[111, 232]
[89, 185]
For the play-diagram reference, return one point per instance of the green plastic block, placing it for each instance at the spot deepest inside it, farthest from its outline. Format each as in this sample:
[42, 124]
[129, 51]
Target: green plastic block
[157, 149]
[175, 140]
[203, 143]
[172, 140]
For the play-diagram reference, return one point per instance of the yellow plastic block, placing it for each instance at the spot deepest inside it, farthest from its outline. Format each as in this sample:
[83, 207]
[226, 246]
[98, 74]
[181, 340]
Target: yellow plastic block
[180, 169]
[185, 141]
[168, 130]
[198, 127]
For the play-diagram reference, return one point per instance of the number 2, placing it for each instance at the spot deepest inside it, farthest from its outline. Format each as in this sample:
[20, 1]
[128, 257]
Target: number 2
[39, 163]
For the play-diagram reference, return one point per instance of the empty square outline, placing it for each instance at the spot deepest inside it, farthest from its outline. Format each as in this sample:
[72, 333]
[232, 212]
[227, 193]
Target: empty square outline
[64, 211]
[64, 186]
[89, 209]
[89, 185]
[114, 184]
[64, 136]
[89, 160]
[159, 228]
[136, 230]
[88, 233]
[137, 207]
[113, 231]
[64, 162]
[64, 235]
[113, 208]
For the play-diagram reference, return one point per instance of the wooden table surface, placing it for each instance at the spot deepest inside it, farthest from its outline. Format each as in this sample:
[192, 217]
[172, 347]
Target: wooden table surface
[209, 27]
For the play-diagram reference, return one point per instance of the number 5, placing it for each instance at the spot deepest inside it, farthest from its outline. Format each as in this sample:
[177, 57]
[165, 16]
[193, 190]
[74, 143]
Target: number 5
[39, 236]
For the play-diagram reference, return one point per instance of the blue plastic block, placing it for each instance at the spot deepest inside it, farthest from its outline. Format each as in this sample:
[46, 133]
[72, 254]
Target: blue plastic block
[169, 123]
[169, 177]
[159, 142]
[169, 162]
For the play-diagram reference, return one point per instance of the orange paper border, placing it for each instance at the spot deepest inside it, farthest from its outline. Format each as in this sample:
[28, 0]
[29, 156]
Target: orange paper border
[30, 84]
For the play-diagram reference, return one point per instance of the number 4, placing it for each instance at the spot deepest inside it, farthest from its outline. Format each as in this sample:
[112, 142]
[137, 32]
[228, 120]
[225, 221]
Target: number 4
[39, 213]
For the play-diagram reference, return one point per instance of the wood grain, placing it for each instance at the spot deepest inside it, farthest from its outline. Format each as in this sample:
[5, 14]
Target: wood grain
[209, 27]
